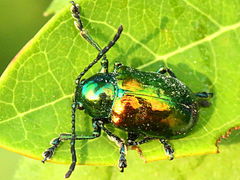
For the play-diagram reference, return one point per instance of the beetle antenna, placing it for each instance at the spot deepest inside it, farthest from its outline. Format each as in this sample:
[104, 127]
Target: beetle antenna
[101, 53]
[74, 105]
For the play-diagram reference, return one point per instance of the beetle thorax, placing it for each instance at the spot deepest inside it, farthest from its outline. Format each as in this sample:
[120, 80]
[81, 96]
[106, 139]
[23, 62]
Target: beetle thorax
[96, 95]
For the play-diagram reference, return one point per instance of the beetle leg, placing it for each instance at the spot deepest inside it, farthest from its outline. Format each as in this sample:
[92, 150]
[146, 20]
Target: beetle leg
[132, 137]
[168, 149]
[204, 95]
[48, 153]
[79, 25]
[96, 133]
[67, 136]
[166, 70]
[122, 163]
[144, 140]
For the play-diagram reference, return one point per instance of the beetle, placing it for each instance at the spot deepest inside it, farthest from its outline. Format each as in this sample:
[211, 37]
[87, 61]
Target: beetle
[151, 105]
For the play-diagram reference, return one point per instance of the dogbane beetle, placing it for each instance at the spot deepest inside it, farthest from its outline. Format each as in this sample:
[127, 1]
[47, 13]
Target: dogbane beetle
[155, 105]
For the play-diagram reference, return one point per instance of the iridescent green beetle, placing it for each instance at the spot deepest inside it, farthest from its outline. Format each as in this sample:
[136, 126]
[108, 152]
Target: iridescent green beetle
[155, 105]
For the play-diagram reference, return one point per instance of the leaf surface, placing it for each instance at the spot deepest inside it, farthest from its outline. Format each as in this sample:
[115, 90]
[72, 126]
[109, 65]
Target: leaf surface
[56, 6]
[198, 167]
[200, 45]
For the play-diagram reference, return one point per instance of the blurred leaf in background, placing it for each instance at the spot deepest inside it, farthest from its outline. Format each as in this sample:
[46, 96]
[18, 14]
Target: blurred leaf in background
[20, 21]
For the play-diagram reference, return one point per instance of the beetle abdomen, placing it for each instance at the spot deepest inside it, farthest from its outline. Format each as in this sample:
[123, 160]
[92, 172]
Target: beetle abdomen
[160, 106]
[150, 116]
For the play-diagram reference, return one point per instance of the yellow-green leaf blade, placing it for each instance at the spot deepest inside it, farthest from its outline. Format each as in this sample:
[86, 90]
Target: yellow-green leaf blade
[36, 89]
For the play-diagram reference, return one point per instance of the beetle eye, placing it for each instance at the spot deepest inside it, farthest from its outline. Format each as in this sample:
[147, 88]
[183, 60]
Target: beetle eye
[81, 82]
[80, 106]
[76, 82]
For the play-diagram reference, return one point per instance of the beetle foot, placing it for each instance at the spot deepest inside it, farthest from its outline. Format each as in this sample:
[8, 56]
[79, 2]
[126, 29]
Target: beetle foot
[122, 164]
[48, 154]
[168, 149]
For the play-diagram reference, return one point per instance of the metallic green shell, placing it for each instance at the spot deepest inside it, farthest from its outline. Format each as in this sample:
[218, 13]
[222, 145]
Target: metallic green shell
[96, 95]
[148, 103]
[153, 104]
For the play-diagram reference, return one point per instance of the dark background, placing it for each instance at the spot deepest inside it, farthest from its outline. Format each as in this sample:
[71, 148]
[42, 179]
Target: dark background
[19, 22]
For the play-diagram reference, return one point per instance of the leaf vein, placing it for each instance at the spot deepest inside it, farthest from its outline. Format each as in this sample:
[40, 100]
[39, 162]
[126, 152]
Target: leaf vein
[203, 13]
[194, 44]
[37, 108]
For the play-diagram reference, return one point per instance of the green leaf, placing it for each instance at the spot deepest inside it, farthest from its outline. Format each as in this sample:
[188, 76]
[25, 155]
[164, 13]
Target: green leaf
[195, 39]
[56, 6]
[197, 168]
